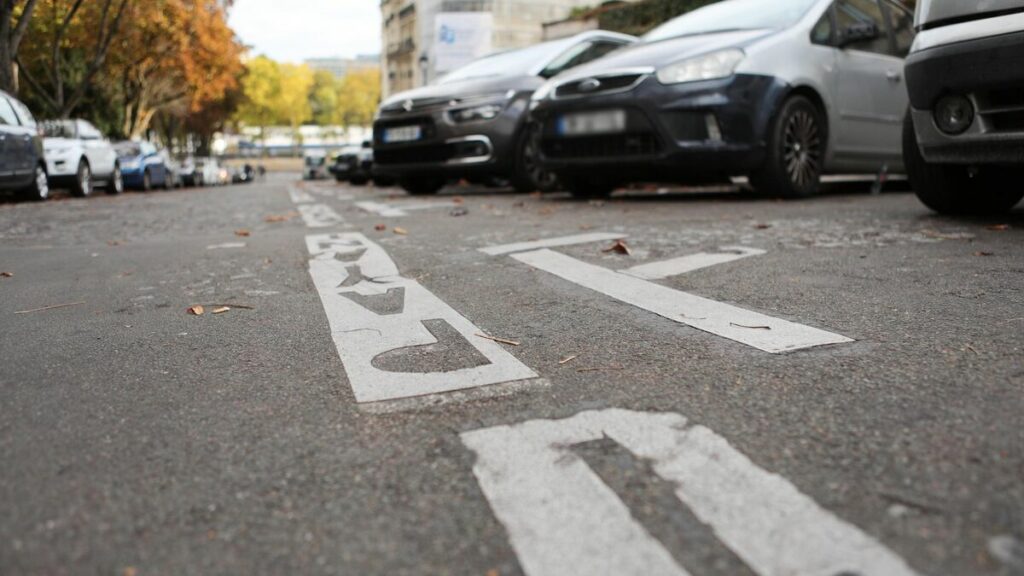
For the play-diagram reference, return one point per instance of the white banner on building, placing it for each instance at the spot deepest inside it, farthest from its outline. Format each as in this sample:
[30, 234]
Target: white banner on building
[460, 38]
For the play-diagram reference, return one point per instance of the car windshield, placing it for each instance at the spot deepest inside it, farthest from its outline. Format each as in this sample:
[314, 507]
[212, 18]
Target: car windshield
[512, 63]
[732, 15]
[60, 129]
[932, 12]
[127, 149]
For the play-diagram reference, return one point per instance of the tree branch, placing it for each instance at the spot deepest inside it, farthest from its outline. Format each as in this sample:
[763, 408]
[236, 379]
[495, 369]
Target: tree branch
[22, 26]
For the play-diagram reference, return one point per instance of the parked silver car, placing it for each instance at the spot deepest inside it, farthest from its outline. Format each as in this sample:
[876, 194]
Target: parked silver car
[965, 136]
[780, 90]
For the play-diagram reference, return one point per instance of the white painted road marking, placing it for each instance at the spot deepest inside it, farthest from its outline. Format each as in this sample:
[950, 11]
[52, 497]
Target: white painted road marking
[395, 210]
[563, 520]
[750, 328]
[226, 245]
[348, 269]
[319, 215]
[689, 263]
[551, 243]
[299, 196]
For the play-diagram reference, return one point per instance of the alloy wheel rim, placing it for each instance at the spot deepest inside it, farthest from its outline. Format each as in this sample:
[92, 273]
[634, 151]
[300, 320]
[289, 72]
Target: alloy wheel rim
[540, 176]
[42, 184]
[86, 180]
[118, 180]
[801, 149]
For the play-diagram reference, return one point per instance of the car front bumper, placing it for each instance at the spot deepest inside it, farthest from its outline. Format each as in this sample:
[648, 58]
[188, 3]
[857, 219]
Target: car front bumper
[672, 131]
[990, 73]
[447, 147]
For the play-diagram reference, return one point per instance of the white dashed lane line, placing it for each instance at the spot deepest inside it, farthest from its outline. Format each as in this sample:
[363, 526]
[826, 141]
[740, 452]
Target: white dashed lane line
[398, 210]
[563, 520]
[551, 243]
[689, 263]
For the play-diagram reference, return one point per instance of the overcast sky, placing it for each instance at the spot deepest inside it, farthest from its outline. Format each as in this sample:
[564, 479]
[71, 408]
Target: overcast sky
[293, 30]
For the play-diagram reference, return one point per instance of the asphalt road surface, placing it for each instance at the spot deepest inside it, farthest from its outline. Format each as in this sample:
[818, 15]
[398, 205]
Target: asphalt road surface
[667, 382]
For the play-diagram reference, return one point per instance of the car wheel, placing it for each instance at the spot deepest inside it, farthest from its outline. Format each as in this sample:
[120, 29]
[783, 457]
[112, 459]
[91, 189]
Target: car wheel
[422, 185]
[83, 180]
[116, 183]
[960, 189]
[39, 190]
[528, 174]
[383, 181]
[358, 180]
[588, 187]
[796, 151]
[147, 181]
[169, 181]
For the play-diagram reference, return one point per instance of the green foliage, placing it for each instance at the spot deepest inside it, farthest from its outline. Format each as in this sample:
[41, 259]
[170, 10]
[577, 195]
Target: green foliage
[641, 17]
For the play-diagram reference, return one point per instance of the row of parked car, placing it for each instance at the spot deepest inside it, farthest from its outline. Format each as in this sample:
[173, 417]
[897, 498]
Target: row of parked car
[780, 91]
[74, 154]
[353, 164]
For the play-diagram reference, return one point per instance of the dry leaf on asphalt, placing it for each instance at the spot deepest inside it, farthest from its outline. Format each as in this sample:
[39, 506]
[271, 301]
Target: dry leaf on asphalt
[457, 200]
[998, 227]
[762, 226]
[400, 231]
[500, 340]
[196, 310]
[221, 310]
[243, 233]
[280, 217]
[380, 227]
[568, 359]
[460, 211]
[984, 253]
[6, 274]
[751, 327]
[619, 247]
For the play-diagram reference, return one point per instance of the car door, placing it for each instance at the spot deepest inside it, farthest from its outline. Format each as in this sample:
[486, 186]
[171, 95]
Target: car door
[9, 149]
[98, 151]
[870, 93]
[31, 139]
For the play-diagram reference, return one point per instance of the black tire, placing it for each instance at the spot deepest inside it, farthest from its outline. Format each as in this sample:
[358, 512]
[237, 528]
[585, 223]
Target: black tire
[358, 180]
[588, 187]
[147, 181]
[797, 141]
[116, 183]
[168, 180]
[527, 174]
[39, 190]
[83, 180]
[384, 181]
[960, 189]
[422, 185]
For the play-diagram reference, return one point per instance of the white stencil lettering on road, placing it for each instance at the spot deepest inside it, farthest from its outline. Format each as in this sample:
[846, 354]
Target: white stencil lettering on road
[751, 328]
[689, 263]
[398, 210]
[319, 215]
[300, 196]
[374, 312]
[563, 520]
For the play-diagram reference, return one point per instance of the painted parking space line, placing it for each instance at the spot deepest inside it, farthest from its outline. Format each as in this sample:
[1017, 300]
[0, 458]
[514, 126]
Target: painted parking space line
[689, 263]
[562, 519]
[319, 215]
[751, 328]
[398, 210]
[299, 196]
[375, 313]
[551, 243]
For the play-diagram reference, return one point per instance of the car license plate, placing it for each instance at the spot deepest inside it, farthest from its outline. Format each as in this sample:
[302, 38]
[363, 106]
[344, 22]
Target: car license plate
[604, 122]
[402, 134]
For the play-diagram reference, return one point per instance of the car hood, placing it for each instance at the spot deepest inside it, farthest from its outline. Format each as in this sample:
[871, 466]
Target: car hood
[468, 89]
[50, 143]
[662, 52]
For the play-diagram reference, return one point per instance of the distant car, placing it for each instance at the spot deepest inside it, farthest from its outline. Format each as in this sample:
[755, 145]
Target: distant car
[207, 172]
[80, 158]
[223, 176]
[142, 166]
[344, 160]
[189, 173]
[472, 123]
[243, 175]
[22, 166]
[174, 170]
[964, 137]
[782, 91]
[314, 165]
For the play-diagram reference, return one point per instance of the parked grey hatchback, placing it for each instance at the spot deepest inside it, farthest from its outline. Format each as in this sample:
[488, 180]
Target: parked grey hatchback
[782, 91]
[472, 123]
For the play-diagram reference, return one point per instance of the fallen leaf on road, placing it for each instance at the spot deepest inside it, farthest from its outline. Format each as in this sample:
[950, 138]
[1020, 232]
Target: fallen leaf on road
[762, 226]
[971, 348]
[586, 226]
[6, 274]
[568, 359]
[499, 340]
[460, 211]
[998, 227]
[984, 253]
[113, 243]
[546, 211]
[221, 310]
[196, 310]
[380, 227]
[751, 327]
[280, 217]
[947, 236]
[400, 231]
[457, 200]
[619, 247]
[519, 204]
[535, 194]
[243, 233]
[129, 571]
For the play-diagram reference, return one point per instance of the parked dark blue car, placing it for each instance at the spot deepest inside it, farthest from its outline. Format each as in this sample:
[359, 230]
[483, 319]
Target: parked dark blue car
[142, 166]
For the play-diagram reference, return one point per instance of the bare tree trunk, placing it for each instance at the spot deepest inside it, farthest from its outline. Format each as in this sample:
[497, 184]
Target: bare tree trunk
[11, 34]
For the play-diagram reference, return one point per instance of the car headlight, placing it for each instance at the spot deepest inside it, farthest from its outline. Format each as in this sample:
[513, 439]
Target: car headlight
[473, 113]
[57, 151]
[719, 64]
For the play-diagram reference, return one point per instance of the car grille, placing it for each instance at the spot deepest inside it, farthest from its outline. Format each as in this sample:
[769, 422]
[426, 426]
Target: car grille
[602, 146]
[422, 154]
[606, 84]
[417, 105]
[1002, 109]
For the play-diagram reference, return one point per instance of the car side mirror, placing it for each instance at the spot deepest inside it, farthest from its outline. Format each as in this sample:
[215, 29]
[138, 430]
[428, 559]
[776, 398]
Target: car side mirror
[862, 32]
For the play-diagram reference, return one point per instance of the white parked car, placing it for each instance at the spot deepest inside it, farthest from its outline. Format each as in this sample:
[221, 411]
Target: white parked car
[314, 165]
[80, 158]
